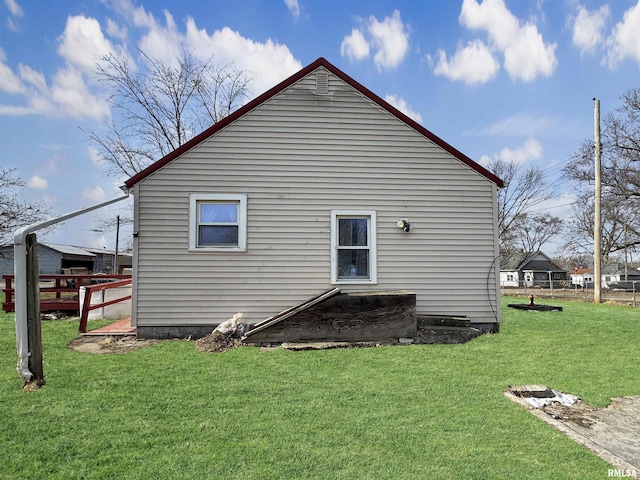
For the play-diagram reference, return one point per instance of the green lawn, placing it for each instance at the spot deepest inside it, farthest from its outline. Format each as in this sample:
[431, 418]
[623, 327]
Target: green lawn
[424, 411]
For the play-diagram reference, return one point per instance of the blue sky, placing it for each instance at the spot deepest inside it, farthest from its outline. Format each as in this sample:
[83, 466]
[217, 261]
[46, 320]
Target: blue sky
[491, 77]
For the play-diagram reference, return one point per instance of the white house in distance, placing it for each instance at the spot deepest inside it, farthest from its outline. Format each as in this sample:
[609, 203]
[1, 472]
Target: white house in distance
[582, 276]
[528, 269]
[318, 183]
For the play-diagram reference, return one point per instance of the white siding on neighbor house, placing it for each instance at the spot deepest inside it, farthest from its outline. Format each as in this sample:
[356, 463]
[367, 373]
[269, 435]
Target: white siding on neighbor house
[297, 157]
[509, 279]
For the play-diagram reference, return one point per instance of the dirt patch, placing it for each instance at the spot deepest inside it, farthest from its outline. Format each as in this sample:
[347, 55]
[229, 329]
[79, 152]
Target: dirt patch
[108, 344]
[612, 433]
[581, 413]
[216, 342]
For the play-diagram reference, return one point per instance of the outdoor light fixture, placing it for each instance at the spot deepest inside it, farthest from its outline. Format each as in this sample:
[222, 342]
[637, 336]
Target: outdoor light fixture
[404, 225]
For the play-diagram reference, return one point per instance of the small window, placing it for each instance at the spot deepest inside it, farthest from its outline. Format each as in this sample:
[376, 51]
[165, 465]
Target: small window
[217, 222]
[353, 246]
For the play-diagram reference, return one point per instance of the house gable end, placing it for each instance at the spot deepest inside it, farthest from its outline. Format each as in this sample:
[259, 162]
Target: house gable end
[321, 62]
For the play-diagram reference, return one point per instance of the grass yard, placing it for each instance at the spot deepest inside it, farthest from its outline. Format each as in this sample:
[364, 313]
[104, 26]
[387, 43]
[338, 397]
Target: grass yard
[423, 411]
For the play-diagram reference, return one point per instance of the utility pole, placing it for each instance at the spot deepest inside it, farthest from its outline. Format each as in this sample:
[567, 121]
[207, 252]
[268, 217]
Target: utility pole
[597, 223]
[34, 325]
[115, 260]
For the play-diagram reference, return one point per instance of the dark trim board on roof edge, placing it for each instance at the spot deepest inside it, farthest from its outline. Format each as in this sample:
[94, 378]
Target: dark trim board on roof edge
[320, 62]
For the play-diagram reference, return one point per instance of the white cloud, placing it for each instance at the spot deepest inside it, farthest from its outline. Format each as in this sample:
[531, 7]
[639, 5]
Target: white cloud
[82, 43]
[587, 31]
[294, 8]
[268, 63]
[624, 41]
[563, 202]
[531, 150]
[9, 81]
[116, 31]
[471, 64]
[95, 157]
[389, 38]
[38, 182]
[17, 111]
[95, 194]
[12, 25]
[32, 77]
[355, 46]
[526, 55]
[14, 8]
[494, 17]
[72, 90]
[69, 93]
[162, 42]
[519, 125]
[401, 104]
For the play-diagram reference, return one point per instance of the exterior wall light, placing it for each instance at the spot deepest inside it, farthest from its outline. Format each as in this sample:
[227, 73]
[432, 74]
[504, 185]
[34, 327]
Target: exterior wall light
[404, 225]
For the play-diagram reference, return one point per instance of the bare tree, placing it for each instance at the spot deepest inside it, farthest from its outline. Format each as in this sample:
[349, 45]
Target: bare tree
[523, 190]
[570, 261]
[533, 231]
[160, 106]
[15, 211]
[619, 225]
[620, 183]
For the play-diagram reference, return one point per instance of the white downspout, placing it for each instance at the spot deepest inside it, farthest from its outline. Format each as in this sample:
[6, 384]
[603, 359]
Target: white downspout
[20, 279]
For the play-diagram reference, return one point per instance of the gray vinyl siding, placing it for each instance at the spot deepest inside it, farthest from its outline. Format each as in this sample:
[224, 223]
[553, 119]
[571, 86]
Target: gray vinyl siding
[297, 157]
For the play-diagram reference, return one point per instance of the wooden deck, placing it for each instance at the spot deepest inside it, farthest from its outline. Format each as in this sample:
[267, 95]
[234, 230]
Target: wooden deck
[121, 327]
[58, 293]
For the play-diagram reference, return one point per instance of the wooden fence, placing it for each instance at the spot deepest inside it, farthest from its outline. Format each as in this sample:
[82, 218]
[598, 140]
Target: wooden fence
[575, 294]
[58, 292]
[90, 290]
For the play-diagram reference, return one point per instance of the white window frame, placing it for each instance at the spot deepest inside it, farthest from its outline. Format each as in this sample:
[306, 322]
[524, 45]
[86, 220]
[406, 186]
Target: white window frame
[370, 215]
[240, 200]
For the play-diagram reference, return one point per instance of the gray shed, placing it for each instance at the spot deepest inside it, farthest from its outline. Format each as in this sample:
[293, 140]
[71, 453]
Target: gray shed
[52, 258]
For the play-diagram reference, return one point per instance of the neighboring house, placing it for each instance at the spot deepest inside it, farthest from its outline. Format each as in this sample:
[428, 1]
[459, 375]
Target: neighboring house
[105, 260]
[582, 277]
[529, 269]
[54, 259]
[305, 189]
[616, 276]
[613, 276]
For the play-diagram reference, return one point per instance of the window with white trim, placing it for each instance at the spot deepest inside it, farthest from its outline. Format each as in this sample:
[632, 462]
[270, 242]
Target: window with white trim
[217, 222]
[353, 246]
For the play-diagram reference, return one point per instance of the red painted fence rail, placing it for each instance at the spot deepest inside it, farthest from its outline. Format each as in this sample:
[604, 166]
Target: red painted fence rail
[62, 284]
[89, 291]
